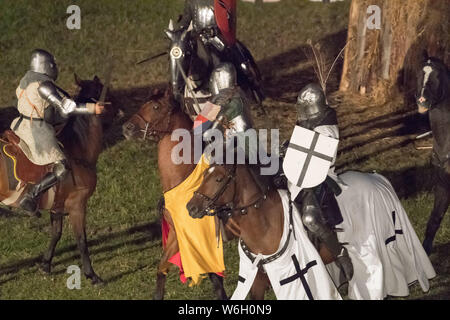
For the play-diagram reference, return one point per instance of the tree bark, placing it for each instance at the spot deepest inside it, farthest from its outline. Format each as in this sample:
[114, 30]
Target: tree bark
[384, 61]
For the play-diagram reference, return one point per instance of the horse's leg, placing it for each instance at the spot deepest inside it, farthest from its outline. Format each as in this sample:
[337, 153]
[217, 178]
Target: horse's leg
[219, 290]
[164, 265]
[56, 221]
[77, 217]
[259, 286]
[441, 204]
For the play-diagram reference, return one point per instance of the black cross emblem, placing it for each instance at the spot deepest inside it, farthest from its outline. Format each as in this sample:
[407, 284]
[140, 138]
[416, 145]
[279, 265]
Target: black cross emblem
[310, 153]
[394, 237]
[300, 274]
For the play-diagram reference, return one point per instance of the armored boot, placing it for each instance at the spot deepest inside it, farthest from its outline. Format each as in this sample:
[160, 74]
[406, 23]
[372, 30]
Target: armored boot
[31, 200]
[313, 221]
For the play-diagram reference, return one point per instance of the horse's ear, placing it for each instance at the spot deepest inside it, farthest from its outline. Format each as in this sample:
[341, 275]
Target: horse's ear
[155, 92]
[96, 79]
[167, 92]
[184, 34]
[425, 55]
[169, 34]
[77, 79]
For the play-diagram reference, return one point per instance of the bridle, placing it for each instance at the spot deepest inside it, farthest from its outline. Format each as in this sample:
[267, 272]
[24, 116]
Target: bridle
[150, 130]
[226, 210]
[441, 97]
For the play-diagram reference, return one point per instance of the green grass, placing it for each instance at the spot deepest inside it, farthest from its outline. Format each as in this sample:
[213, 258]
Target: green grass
[122, 222]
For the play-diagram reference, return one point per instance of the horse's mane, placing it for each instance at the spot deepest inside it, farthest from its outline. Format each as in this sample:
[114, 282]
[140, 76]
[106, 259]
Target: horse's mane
[76, 131]
[166, 95]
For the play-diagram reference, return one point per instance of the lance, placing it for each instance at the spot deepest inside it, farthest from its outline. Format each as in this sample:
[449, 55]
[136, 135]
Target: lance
[153, 57]
[108, 72]
[426, 134]
[176, 53]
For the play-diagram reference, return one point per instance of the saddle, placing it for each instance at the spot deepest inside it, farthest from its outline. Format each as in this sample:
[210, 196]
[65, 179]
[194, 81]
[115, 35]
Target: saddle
[24, 170]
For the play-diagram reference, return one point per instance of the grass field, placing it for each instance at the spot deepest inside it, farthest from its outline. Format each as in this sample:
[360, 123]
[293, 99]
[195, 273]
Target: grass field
[123, 225]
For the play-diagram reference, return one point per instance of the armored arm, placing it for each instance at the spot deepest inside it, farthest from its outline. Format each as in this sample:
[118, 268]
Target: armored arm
[65, 106]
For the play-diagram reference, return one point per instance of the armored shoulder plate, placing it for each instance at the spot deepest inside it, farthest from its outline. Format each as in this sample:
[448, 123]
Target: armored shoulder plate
[47, 90]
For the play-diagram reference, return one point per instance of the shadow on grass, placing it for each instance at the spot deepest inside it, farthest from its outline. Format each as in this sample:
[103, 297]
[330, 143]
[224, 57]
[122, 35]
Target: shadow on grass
[412, 123]
[151, 230]
[441, 263]
[283, 85]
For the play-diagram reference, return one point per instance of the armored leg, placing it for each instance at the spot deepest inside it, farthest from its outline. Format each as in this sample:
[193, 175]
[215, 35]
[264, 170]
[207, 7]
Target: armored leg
[30, 201]
[314, 222]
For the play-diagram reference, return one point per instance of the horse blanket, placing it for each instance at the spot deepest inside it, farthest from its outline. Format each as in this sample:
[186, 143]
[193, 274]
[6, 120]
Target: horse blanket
[386, 253]
[298, 274]
[200, 252]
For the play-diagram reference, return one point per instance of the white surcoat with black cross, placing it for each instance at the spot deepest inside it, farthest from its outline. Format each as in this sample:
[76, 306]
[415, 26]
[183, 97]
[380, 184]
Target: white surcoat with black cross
[298, 274]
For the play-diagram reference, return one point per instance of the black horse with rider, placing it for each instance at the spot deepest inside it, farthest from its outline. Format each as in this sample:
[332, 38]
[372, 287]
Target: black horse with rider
[433, 98]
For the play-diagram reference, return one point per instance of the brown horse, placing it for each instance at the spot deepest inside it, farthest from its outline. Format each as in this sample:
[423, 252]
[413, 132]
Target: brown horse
[155, 121]
[82, 141]
[233, 190]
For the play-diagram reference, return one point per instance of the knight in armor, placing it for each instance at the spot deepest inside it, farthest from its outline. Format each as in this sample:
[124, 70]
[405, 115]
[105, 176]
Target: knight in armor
[226, 93]
[235, 115]
[38, 99]
[318, 206]
[233, 106]
[213, 46]
[204, 29]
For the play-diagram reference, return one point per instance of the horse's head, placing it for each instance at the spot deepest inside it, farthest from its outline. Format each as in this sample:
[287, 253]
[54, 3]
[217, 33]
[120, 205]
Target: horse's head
[152, 120]
[90, 91]
[216, 193]
[179, 51]
[432, 84]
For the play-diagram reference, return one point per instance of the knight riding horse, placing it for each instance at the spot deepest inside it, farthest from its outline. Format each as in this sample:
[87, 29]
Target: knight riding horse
[41, 103]
[211, 41]
[318, 205]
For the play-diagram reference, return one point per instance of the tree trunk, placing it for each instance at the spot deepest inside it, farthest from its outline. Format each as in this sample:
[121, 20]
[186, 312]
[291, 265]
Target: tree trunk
[384, 61]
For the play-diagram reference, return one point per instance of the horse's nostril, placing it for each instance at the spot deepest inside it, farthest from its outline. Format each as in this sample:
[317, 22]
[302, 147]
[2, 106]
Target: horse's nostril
[192, 209]
[127, 130]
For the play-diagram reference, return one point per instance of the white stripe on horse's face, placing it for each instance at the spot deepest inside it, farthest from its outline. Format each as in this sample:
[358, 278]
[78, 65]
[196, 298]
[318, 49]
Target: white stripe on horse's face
[211, 170]
[428, 70]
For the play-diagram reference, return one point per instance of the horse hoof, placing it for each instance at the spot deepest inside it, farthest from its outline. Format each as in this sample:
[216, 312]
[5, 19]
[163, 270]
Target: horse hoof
[45, 267]
[158, 296]
[96, 280]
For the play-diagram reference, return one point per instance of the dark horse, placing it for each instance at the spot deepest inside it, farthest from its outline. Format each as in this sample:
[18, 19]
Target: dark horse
[82, 140]
[155, 121]
[433, 97]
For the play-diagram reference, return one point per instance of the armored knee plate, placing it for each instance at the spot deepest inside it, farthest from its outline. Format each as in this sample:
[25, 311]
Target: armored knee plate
[60, 169]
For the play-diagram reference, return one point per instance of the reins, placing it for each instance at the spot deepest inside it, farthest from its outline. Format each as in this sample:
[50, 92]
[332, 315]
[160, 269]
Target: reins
[227, 210]
[150, 129]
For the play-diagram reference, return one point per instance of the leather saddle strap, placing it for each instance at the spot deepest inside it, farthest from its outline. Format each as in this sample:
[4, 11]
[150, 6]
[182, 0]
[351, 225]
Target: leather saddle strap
[31, 104]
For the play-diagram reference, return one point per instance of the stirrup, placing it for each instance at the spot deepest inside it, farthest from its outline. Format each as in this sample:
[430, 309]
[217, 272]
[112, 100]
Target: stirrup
[29, 203]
